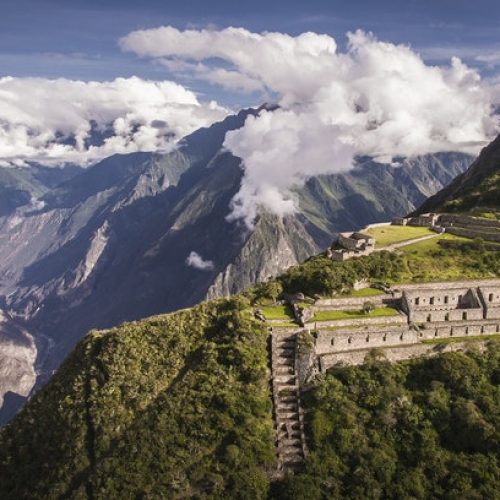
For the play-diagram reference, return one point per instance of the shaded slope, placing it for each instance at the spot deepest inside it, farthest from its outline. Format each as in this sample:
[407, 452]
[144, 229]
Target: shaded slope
[20, 185]
[479, 186]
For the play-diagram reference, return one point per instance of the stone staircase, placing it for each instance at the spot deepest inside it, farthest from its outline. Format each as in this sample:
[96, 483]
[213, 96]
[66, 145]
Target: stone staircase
[288, 414]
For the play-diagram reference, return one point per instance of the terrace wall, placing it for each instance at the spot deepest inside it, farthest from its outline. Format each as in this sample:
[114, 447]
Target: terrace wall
[394, 354]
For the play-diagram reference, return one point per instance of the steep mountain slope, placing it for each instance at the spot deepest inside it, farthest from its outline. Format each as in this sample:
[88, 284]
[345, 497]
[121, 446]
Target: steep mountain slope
[20, 185]
[179, 406]
[111, 244]
[478, 187]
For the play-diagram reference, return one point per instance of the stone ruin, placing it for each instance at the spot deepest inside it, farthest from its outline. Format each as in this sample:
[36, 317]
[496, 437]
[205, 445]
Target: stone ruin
[430, 311]
[426, 312]
[350, 245]
[457, 224]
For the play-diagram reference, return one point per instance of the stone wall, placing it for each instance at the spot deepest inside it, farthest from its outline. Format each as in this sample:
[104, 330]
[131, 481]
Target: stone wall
[452, 304]
[400, 319]
[394, 354]
[351, 303]
[446, 285]
[441, 299]
[468, 220]
[434, 315]
[491, 300]
[474, 233]
[332, 341]
[328, 341]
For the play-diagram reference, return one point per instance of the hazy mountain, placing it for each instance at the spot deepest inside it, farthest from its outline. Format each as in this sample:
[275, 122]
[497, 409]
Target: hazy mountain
[111, 243]
[20, 185]
[478, 187]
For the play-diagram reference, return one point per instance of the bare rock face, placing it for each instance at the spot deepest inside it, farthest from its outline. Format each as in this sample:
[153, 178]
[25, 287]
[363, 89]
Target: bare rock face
[273, 246]
[18, 354]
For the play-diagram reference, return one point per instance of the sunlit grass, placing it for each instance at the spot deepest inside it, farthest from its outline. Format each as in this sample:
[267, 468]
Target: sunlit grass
[339, 315]
[387, 235]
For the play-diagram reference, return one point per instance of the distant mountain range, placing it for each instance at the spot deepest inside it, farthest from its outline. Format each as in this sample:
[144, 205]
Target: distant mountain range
[91, 248]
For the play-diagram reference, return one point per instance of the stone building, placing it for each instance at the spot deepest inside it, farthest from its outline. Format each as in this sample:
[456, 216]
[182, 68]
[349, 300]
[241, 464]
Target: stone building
[491, 300]
[424, 220]
[431, 305]
[350, 245]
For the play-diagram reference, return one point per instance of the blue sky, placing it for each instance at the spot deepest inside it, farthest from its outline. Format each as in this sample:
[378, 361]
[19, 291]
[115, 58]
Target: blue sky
[78, 39]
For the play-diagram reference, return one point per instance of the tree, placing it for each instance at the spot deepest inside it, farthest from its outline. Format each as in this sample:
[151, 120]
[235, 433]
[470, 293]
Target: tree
[368, 307]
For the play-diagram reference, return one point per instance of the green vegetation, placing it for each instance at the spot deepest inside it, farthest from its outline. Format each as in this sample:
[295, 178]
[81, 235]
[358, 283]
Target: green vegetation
[278, 312]
[365, 292]
[467, 259]
[322, 276]
[173, 406]
[418, 262]
[338, 315]
[386, 235]
[484, 193]
[427, 428]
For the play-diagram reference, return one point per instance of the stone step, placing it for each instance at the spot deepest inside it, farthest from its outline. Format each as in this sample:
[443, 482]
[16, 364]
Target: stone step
[290, 441]
[285, 351]
[284, 369]
[292, 339]
[286, 361]
[285, 380]
[277, 366]
[295, 436]
[288, 414]
[287, 407]
[287, 451]
[296, 458]
[287, 398]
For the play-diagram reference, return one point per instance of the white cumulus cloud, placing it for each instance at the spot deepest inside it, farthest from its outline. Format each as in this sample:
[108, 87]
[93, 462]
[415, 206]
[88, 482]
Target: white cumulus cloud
[375, 98]
[195, 260]
[53, 121]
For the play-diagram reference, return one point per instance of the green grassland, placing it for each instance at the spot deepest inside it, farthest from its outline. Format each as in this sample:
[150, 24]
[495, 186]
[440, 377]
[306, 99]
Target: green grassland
[386, 235]
[283, 312]
[339, 315]
[364, 292]
[428, 261]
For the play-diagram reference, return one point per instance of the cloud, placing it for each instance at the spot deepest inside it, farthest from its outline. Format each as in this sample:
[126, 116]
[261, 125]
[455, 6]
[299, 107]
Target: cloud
[56, 121]
[196, 260]
[491, 59]
[376, 99]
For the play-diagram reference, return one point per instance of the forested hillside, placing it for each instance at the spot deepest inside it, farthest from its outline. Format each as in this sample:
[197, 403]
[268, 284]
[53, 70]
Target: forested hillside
[179, 405]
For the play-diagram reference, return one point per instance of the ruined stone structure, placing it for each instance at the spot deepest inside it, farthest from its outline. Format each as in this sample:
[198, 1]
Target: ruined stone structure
[454, 304]
[461, 303]
[350, 245]
[428, 313]
[457, 224]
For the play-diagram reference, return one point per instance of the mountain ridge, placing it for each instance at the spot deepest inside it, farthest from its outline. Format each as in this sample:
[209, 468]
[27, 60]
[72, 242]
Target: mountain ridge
[95, 239]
